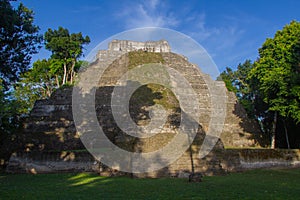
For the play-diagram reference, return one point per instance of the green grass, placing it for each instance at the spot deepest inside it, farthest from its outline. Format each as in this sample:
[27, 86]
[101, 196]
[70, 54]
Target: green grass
[257, 184]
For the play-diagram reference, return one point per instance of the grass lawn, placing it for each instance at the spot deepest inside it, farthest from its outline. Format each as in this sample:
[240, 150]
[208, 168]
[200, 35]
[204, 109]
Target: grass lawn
[256, 184]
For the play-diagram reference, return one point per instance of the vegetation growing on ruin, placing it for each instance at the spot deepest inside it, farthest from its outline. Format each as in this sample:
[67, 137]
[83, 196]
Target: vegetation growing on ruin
[142, 57]
[151, 94]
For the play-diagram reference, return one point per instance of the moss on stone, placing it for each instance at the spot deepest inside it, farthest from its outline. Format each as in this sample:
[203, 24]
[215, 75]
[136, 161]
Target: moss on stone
[137, 58]
[151, 94]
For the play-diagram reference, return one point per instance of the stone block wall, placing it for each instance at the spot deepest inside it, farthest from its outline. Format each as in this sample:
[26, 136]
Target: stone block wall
[150, 46]
[51, 126]
[218, 162]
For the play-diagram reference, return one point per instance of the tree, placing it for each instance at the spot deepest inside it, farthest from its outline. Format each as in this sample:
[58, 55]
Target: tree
[38, 83]
[229, 78]
[66, 49]
[238, 82]
[9, 123]
[19, 39]
[276, 73]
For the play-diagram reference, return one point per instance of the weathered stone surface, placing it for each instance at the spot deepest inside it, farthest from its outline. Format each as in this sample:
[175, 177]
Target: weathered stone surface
[183, 174]
[51, 163]
[51, 126]
[150, 46]
[195, 177]
[230, 160]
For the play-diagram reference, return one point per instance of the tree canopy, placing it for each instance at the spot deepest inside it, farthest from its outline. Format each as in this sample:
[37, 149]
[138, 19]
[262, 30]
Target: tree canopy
[277, 71]
[269, 88]
[19, 39]
[66, 49]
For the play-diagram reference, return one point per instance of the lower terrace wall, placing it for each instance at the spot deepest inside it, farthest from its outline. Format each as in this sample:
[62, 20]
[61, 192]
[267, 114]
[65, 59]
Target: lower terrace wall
[228, 160]
[245, 159]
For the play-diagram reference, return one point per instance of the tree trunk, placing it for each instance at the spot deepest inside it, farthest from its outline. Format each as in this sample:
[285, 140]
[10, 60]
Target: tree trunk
[286, 135]
[273, 133]
[49, 91]
[191, 155]
[192, 160]
[57, 81]
[72, 72]
[44, 92]
[65, 74]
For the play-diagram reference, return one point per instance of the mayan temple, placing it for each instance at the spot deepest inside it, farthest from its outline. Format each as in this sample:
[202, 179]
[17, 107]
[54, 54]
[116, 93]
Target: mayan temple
[51, 126]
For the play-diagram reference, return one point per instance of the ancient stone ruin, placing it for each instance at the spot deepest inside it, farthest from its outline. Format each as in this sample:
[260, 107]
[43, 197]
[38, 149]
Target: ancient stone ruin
[149, 46]
[50, 132]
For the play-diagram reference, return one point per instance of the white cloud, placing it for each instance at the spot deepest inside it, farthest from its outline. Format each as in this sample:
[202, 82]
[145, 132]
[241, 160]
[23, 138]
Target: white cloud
[150, 13]
[221, 41]
[153, 3]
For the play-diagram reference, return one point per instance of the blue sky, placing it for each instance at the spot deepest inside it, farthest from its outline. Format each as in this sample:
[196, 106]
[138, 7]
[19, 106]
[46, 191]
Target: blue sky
[231, 31]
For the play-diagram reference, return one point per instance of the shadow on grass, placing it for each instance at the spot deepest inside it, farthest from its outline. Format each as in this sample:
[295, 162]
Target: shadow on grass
[255, 184]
